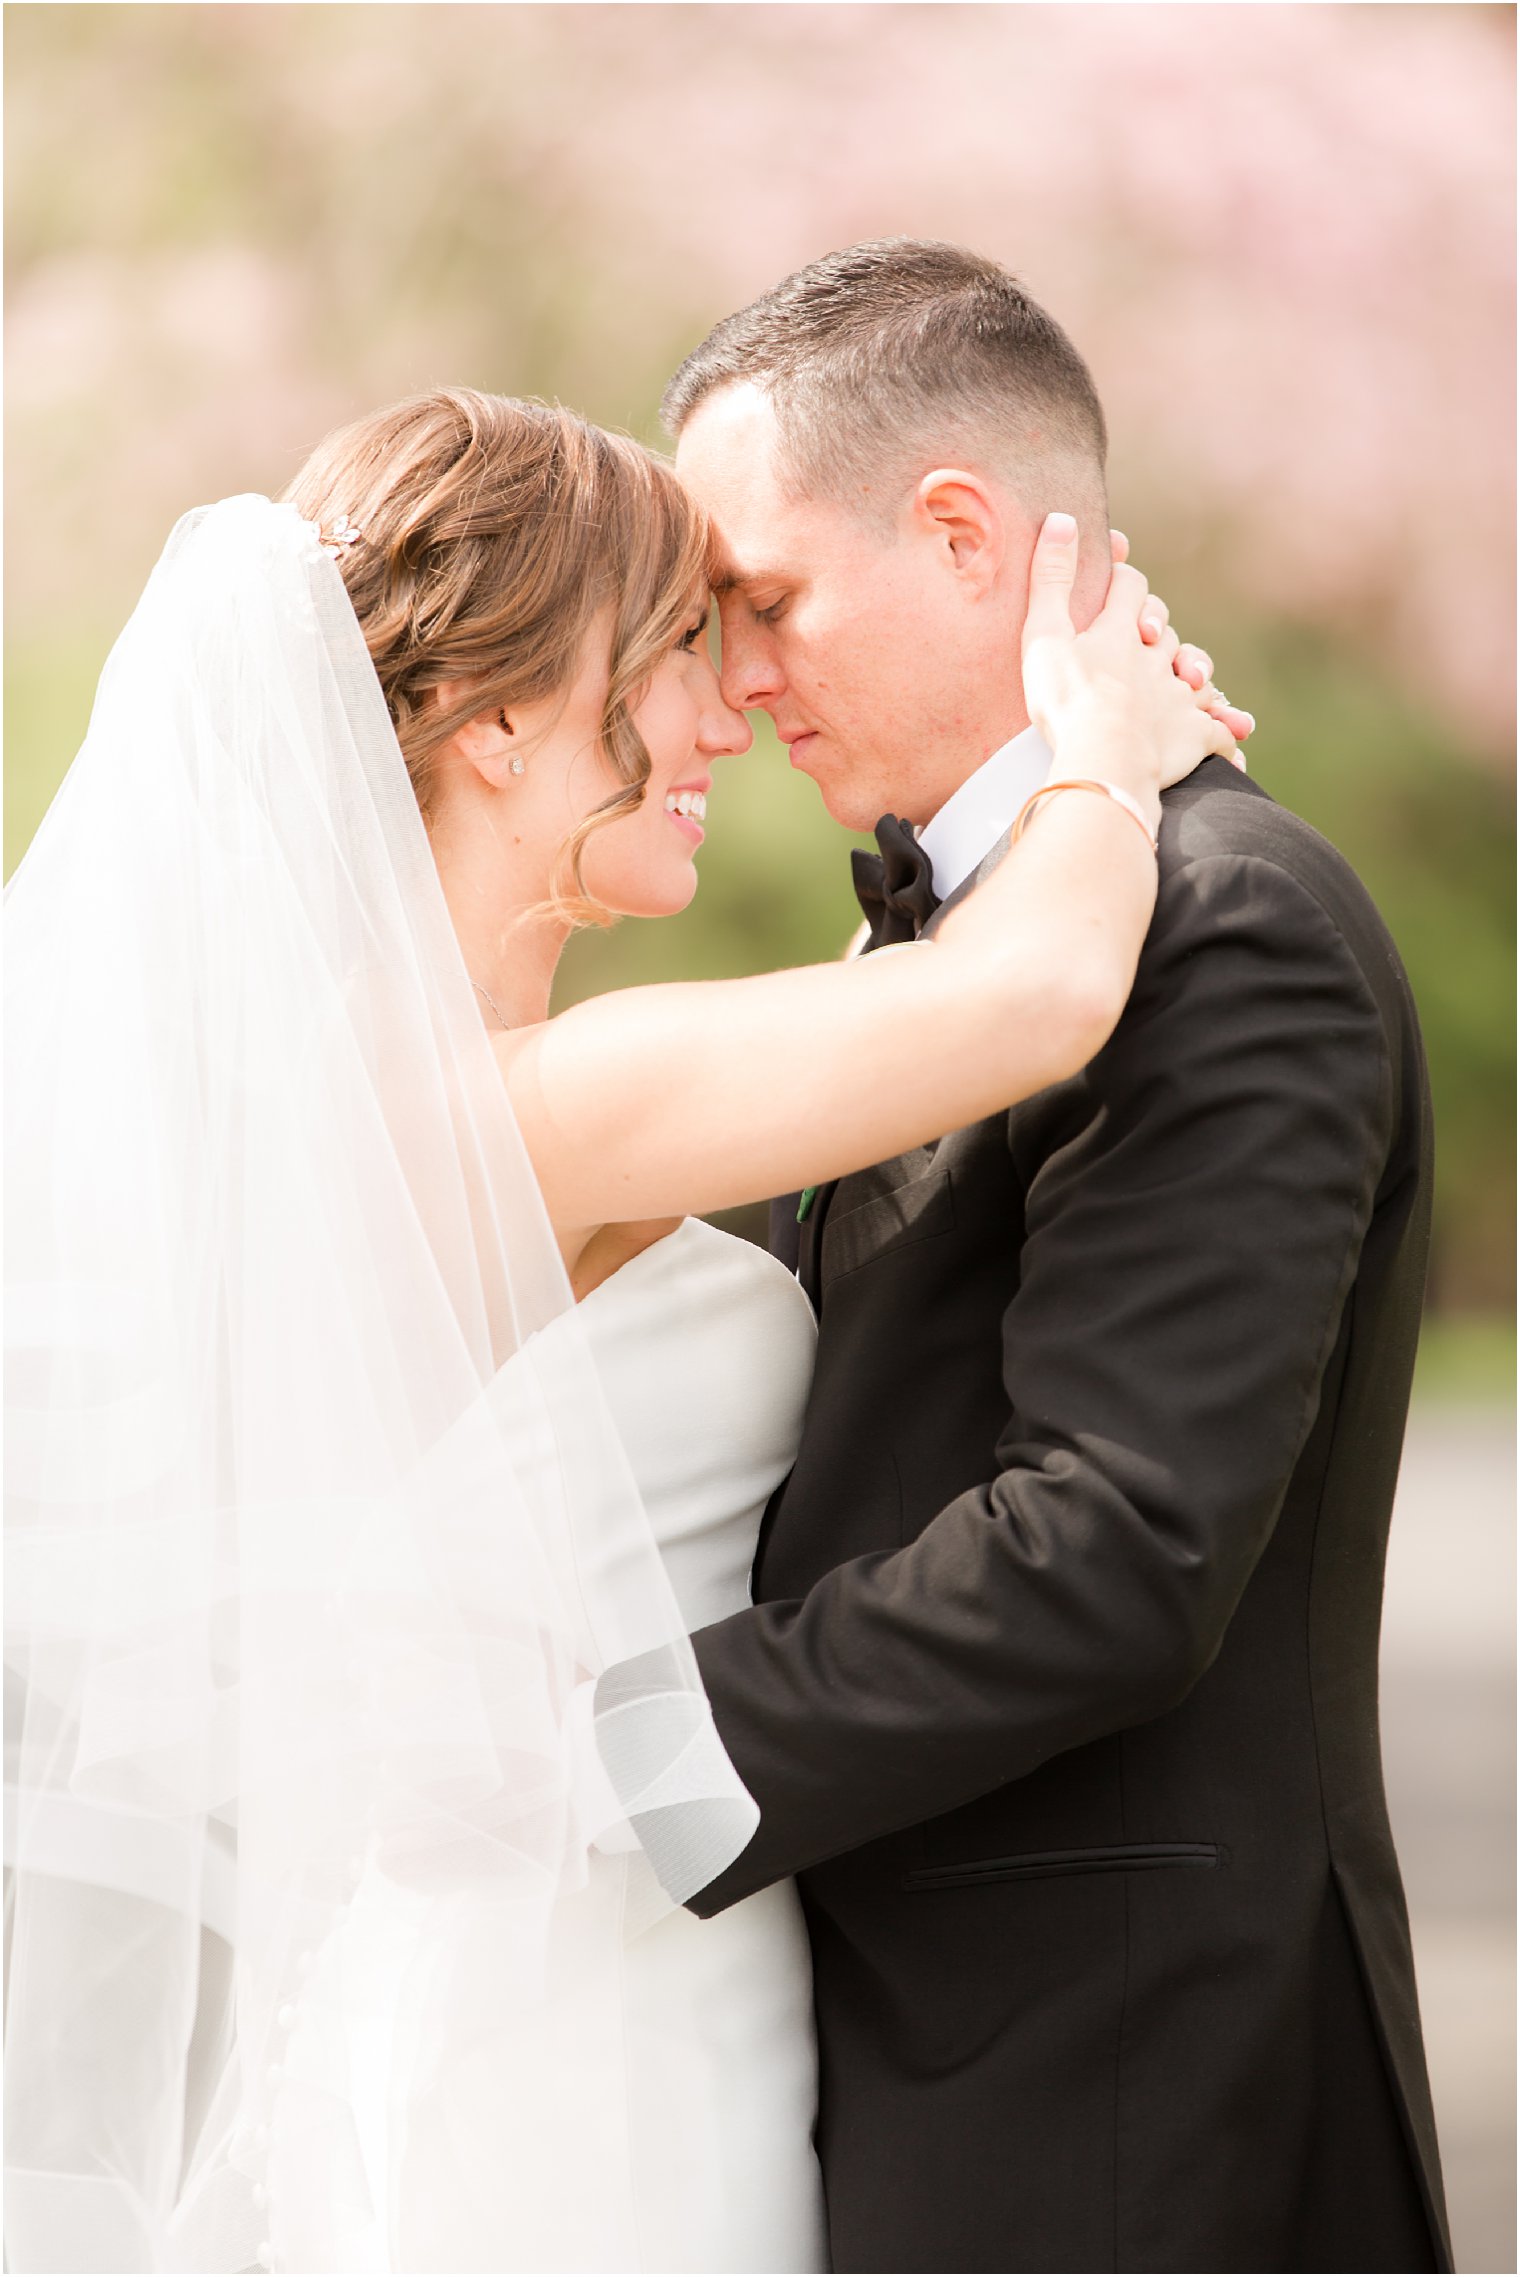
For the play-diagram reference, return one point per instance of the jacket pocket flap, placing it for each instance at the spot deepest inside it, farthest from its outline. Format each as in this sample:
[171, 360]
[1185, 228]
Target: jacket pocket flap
[1039, 1865]
[889, 1221]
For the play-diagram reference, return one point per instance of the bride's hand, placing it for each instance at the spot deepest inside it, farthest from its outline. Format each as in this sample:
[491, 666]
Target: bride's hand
[1190, 663]
[1110, 692]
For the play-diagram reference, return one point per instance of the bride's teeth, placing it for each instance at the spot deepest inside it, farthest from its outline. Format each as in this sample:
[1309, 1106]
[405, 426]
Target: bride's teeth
[692, 803]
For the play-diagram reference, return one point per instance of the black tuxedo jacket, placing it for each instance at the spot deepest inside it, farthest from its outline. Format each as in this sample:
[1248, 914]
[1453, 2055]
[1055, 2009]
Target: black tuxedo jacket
[1060, 1693]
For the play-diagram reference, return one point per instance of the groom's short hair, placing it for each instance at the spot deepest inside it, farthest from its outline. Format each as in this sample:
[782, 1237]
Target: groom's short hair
[902, 350]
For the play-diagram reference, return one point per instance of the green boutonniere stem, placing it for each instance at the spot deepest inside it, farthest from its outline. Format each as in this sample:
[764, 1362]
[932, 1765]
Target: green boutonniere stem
[805, 1202]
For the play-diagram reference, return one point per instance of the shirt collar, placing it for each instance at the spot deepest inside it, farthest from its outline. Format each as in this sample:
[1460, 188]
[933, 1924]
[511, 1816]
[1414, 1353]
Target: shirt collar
[973, 819]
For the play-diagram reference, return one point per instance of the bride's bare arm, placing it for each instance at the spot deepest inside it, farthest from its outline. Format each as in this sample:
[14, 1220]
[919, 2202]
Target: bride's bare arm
[656, 1102]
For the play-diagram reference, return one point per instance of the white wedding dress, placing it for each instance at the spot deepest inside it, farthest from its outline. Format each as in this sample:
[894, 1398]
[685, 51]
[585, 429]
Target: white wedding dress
[691, 2061]
[322, 1951]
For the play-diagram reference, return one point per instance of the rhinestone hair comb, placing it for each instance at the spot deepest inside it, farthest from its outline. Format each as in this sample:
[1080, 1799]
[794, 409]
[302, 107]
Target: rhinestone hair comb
[342, 533]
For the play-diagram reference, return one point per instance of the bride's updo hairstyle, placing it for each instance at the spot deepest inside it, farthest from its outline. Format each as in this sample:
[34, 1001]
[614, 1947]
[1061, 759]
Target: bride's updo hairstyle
[491, 532]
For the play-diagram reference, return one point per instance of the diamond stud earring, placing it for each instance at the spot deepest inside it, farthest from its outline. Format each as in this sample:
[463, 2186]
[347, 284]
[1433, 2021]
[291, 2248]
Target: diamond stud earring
[517, 764]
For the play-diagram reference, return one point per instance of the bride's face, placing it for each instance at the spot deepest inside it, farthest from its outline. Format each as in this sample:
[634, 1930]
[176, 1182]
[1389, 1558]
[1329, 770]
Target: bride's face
[642, 864]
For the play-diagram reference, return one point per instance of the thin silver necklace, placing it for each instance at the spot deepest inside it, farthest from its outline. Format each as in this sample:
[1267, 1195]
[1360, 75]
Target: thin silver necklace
[490, 999]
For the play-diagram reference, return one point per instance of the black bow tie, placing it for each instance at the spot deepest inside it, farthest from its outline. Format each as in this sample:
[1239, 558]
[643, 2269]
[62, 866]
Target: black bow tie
[895, 888]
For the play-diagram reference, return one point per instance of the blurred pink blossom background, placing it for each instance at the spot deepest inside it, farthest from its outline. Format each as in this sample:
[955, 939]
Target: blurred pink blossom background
[1282, 235]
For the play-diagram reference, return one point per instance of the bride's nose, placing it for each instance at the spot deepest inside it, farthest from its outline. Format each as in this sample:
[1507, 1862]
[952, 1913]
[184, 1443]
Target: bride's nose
[721, 731]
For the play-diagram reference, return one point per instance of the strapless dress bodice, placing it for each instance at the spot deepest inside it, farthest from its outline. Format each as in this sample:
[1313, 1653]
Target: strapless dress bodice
[704, 1349]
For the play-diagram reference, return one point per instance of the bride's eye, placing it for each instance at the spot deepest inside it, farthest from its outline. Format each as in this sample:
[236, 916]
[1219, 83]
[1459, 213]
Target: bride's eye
[693, 633]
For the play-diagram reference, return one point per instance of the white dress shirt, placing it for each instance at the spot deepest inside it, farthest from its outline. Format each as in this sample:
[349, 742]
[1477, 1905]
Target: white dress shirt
[973, 819]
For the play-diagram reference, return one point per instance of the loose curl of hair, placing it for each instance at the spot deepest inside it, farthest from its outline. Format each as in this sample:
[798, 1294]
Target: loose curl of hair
[494, 531]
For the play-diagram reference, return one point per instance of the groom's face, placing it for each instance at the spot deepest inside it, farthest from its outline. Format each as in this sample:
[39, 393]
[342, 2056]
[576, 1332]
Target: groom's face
[853, 633]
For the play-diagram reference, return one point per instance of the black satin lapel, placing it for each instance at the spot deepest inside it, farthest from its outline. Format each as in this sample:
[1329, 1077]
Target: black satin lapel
[810, 1246]
[785, 1232]
[983, 870]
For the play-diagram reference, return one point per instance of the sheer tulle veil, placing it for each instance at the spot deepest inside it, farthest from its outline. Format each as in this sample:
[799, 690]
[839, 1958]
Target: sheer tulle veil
[318, 1522]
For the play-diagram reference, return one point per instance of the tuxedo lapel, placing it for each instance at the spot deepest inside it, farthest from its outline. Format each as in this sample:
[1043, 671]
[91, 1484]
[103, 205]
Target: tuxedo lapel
[784, 1231]
[810, 1244]
[806, 1259]
[984, 869]
[799, 1244]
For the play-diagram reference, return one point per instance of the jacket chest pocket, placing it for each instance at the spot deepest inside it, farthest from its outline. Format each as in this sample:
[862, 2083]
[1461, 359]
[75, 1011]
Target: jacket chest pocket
[885, 1223]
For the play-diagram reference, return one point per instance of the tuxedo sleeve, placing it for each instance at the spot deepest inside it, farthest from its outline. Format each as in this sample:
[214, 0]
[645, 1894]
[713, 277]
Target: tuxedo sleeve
[1193, 1229]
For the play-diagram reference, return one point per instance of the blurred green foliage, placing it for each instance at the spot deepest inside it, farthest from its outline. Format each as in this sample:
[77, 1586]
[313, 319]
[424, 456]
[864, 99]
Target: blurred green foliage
[1466, 1359]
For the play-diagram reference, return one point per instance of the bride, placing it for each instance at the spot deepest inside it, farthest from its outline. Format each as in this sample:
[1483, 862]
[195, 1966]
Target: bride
[375, 1385]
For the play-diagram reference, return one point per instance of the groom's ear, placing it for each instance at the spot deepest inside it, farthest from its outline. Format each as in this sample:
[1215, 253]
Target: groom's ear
[957, 512]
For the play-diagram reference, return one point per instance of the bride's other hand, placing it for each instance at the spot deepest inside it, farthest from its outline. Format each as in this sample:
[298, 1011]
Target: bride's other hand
[1107, 701]
[1193, 664]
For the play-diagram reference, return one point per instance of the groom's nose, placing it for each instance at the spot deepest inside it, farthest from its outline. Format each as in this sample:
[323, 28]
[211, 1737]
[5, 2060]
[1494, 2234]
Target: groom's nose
[751, 673]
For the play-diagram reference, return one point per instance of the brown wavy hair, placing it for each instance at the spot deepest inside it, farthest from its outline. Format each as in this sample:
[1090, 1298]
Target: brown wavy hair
[493, 532]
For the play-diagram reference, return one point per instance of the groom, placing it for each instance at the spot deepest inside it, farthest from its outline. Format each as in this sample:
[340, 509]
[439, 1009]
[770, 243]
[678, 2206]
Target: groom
[1059, 1696]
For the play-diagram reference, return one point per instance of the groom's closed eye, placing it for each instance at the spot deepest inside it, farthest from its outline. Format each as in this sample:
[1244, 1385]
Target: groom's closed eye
[764, 598]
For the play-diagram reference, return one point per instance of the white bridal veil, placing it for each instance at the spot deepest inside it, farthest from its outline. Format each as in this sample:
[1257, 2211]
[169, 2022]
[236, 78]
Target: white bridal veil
[318, 1522]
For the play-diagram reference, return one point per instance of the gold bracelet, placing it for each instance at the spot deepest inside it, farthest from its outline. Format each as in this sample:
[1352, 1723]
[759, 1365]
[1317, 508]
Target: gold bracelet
[1130, 806]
